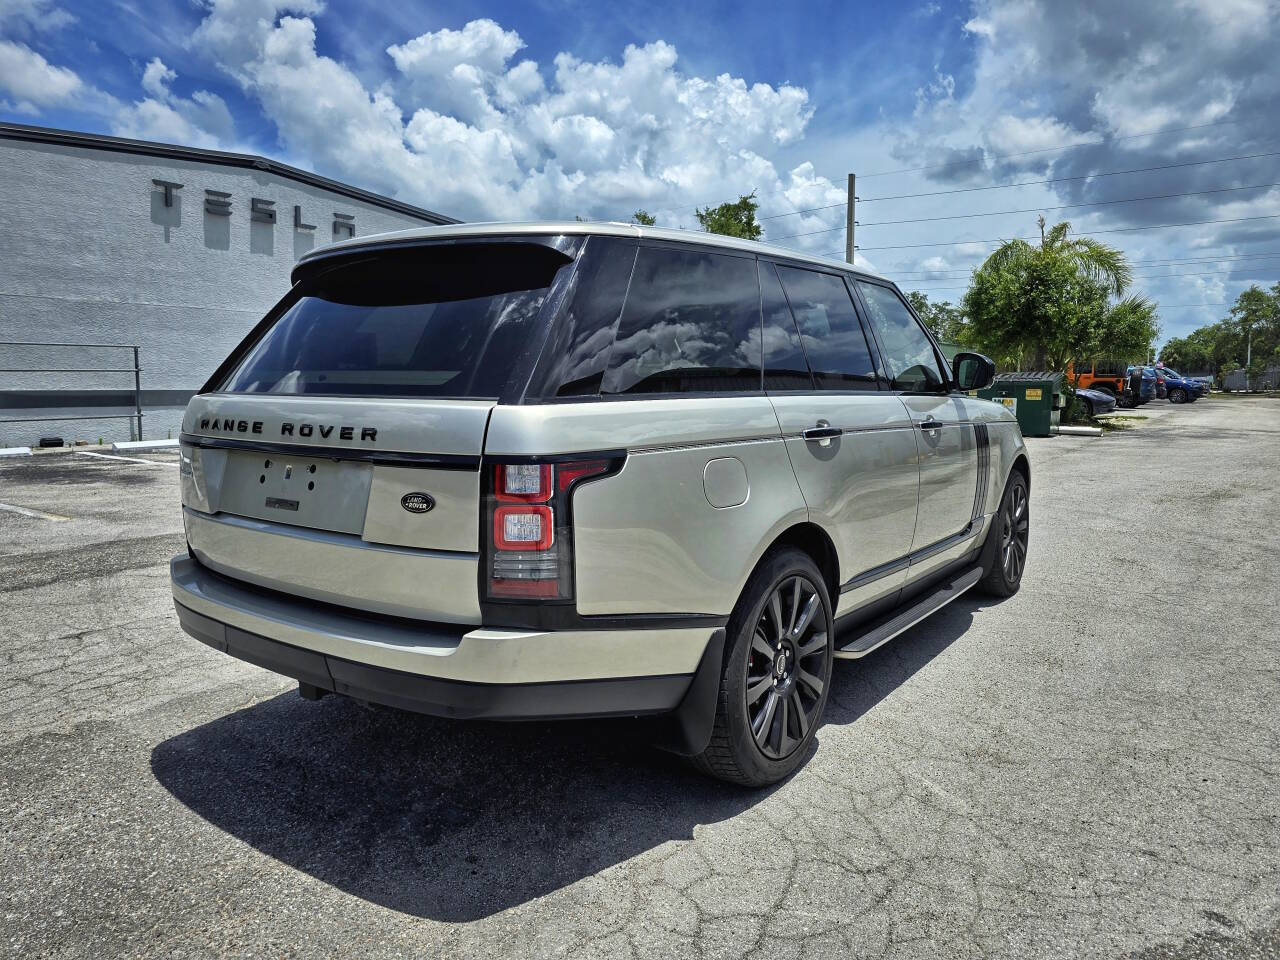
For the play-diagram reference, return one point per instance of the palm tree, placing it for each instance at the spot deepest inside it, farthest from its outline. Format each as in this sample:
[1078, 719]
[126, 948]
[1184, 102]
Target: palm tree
[1050, 297]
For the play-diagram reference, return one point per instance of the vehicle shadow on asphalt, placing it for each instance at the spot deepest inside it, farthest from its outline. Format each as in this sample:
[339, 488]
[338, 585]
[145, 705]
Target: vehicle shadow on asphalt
[460, 820]
[858, 685]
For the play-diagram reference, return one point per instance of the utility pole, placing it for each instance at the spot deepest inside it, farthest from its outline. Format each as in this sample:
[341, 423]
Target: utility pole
[1248, 356]
[850, 222]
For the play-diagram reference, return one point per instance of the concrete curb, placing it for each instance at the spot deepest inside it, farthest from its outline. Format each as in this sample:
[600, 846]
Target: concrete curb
[134, 445]
[15, 451]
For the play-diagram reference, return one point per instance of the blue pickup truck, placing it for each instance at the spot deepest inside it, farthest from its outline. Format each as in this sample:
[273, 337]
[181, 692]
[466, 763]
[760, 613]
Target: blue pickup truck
[1182, 389]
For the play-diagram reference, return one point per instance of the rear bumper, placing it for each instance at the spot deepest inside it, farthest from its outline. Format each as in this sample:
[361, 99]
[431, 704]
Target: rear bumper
[439, 669]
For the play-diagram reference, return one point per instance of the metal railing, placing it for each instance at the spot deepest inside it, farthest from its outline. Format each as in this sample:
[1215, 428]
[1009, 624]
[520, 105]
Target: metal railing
[136, 370]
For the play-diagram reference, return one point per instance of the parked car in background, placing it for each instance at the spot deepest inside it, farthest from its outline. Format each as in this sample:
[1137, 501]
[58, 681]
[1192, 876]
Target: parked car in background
[1182, 389]
[1106, 375]
[1145, 390]
[1094, 402]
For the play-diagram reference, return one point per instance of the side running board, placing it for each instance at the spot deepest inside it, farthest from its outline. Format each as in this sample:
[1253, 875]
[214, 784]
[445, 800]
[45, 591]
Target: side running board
[881, 631]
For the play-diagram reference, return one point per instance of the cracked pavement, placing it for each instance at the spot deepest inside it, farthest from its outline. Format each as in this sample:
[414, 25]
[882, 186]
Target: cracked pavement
[1087, 769]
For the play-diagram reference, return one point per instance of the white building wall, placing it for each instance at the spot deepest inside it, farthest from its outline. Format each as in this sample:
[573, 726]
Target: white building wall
[90, 253]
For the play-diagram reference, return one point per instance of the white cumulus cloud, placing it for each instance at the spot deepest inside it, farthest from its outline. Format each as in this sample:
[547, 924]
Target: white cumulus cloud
[201, 120]
[462, 125]
[32, 81]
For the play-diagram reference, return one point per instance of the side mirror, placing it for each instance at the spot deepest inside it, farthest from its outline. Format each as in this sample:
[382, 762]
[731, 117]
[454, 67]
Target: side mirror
[972, 371]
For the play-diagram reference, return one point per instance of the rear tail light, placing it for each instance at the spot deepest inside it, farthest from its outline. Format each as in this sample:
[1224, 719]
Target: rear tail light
[529, 528]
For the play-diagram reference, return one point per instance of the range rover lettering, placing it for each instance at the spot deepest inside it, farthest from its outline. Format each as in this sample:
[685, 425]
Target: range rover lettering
[591, 470]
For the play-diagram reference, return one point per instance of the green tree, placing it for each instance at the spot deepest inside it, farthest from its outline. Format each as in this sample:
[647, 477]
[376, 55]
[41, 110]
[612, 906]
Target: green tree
[736, 219]
[948, 322]
[1250, 329]
[1057, 302]
[644, 218]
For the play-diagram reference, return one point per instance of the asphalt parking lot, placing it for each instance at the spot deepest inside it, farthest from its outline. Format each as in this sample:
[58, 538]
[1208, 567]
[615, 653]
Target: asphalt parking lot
[1089, 768]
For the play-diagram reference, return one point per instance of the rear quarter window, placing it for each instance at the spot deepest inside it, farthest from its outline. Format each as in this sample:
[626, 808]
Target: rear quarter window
[691, 324]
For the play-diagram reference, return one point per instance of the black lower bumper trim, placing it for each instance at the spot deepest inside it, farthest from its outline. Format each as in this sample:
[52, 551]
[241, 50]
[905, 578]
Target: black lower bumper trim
[629, 696]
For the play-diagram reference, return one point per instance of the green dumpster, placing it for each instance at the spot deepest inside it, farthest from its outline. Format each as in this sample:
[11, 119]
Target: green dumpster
[1036, 399]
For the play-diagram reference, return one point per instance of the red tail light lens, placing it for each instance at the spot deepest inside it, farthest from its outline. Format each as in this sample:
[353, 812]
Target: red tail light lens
[529, 531]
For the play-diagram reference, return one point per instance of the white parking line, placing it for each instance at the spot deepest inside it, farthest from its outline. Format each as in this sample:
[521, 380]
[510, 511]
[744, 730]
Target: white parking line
[108, 456]
[28, 512]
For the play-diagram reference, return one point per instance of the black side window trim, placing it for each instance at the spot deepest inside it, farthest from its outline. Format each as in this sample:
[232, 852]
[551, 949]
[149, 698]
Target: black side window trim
[852, 282]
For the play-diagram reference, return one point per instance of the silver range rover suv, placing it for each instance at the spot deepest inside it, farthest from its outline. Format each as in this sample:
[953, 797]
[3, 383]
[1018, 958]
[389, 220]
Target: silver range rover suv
[590, 470]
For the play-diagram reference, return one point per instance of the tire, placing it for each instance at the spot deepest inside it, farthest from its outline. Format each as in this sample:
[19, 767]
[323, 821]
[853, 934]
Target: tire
[790, 688]
[1005, 553]
[1088, 407]
[1177, 395]
[1104, 388]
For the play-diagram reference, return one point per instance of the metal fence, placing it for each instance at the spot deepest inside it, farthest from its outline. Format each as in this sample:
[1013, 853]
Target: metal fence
[135, 369]
[1240, 380]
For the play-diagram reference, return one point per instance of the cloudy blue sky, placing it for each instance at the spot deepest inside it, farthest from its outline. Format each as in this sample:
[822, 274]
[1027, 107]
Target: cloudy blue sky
[551, 108]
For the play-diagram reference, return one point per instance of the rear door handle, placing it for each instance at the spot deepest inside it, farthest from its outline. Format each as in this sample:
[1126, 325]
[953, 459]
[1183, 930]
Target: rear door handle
[931, 424]
[822, 434]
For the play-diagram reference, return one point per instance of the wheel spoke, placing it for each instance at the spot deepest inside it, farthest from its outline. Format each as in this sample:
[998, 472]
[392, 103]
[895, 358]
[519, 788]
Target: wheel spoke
[764, 719]
[816, 643]
[810, 611]
[775, 613]
[813, 682]
[784, 725]
[761, 646]
[795, 605]
[802, 718]
[758, 689]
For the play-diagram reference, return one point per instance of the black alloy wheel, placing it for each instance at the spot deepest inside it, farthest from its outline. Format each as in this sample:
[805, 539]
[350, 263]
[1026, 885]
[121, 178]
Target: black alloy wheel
[787, 668]
[1004, 555]
[1015, 529]
[776, 673]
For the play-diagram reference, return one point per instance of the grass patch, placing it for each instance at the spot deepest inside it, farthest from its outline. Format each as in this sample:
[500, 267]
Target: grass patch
[1112, 423]
[1240, 395]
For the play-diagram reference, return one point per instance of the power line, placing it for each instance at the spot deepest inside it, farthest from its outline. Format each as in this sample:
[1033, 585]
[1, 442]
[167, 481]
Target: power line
[1136, 276]
[1065, 206]
[964, 274]
[1025, 183]
[1158, 304]
[1067, 146]
[1159, 261]
[1089, 233]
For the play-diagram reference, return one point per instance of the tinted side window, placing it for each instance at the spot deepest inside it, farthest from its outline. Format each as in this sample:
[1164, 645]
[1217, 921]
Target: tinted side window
[691, 324]
[574, 358]
[829, 328]
[785, 367]
[909, 357]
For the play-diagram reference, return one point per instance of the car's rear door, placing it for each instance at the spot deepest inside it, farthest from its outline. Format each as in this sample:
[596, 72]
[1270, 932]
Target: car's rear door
[851, 444]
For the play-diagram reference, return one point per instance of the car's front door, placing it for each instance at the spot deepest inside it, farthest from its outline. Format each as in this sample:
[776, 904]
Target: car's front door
[946, 441]
[851, 443]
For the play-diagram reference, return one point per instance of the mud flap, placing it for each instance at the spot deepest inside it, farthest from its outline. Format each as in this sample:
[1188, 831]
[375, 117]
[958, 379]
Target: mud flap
[687, 729]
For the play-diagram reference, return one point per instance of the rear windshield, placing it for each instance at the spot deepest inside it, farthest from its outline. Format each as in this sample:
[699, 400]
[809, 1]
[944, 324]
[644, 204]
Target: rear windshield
[438, 321]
